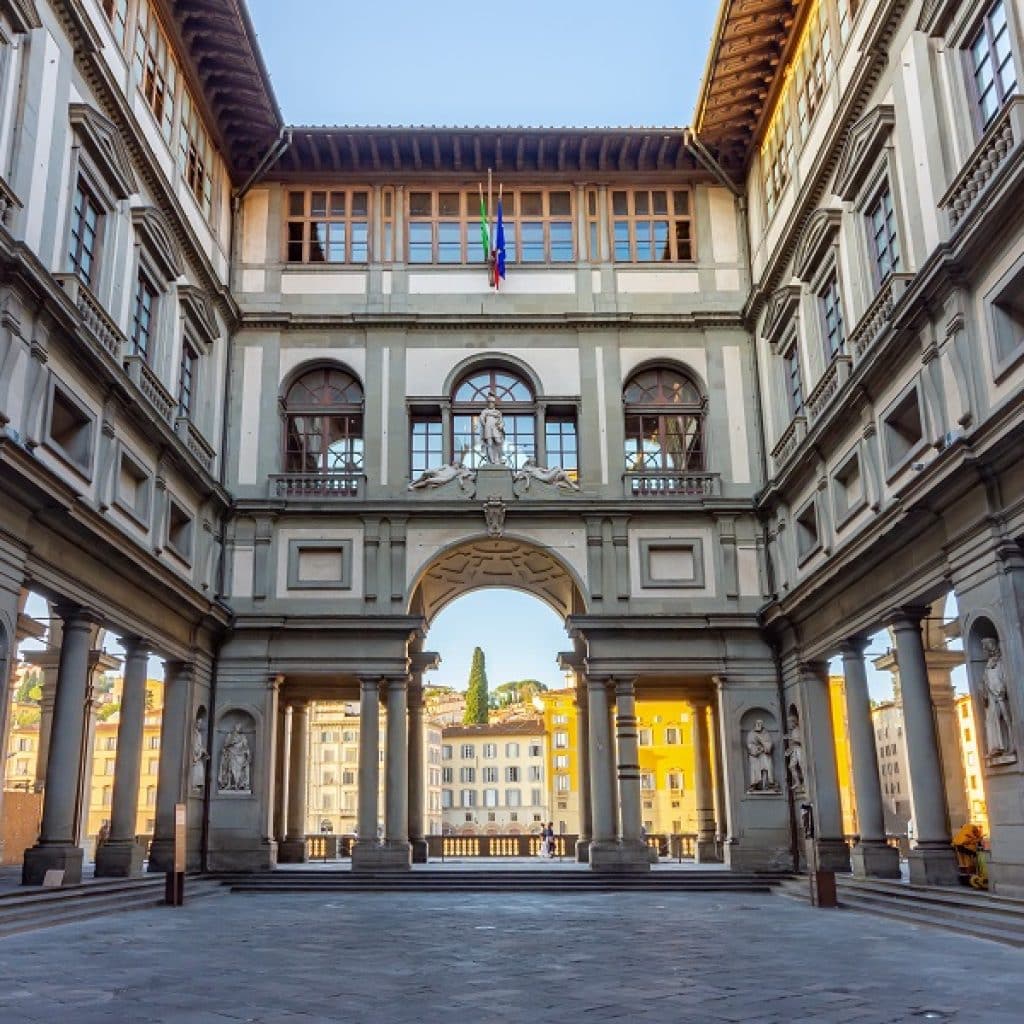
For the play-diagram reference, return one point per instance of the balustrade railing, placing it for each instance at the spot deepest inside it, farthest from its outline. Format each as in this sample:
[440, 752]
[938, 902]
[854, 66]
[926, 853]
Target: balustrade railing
[9, 202]
[324, 486]
[791, 438]
[877, 316]
[203, 451]
[143, 377]
[328, 846]
[96, 320]
[1002, 138]
[668, 484]
[834, 377]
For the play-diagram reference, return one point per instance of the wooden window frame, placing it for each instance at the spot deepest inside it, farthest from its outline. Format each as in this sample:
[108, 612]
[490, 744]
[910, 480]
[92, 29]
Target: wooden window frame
[156, 68]
[461, 408]
[346, 220]
[661, 411]
[893, 249]
[196, 155]
[352, 412]
[116, 12]
[813, 65]
[632, 219]
[983, 30]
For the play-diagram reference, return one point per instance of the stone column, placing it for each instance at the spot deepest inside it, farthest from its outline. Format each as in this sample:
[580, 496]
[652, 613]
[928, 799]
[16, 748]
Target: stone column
[931, 859]
[47, 661]
[721, 804]
[175, 727]
[871, 857]
[599, 741]
[707, 849]
[583, 773]
[283, 754]
[56, 847]
[397, 852]
[121, 856]
[88, 744]
[293, 849]
[366, 847]
[417, 789]
[830, 852]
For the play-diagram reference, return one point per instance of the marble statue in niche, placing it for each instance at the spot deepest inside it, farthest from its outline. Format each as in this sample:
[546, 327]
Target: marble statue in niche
[233, 772]
[492, 432]
[760, 746]
[998, 729]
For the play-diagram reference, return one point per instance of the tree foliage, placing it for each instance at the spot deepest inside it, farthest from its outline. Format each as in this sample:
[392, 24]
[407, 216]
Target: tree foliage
[476, 692]
[516, 692]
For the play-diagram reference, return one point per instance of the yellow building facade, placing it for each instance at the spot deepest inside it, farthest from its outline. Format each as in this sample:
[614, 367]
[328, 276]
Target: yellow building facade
[972, 763]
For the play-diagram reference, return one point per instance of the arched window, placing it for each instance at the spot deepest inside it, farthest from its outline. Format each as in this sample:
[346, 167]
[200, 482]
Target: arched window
[664, 423]
[323, 413]
[516, 401]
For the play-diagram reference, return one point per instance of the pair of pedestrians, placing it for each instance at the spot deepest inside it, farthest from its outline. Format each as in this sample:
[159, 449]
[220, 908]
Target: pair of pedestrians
[547, 840]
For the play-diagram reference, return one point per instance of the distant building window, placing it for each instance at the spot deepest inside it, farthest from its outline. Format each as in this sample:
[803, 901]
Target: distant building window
[535, 750]
[561, 444]
[324, 423]
[991, 60]
[511, 749]
[561, 760]
[647, 780]
[156, 70]
[83, 244]
[490, 774]
[644, 737]
[447, 775]
[562, 784]
[512, 773]
[535, 773]
[777, 152]
[467, 751]
[794, 385]
[426, 443]
[671, 735]
[813, 66]
[651, 225]
[490, 750]
[832, 318]
[117, 14]
[328, 226]
[513, 798]
[885, 243]
[467, 775]
[446, 752]
[561, 739]
[446, 798]
[187, 372]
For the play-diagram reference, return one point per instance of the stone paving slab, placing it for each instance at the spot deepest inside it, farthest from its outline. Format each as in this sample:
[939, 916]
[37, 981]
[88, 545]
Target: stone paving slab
[529, 958]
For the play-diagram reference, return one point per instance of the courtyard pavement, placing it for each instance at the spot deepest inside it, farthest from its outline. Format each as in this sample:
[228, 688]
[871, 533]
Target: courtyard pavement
[531, 958]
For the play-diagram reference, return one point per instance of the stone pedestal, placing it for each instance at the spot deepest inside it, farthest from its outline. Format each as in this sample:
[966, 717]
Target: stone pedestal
[47, 857]
[120, 858]
[419, 851]
[373, 856]
[626, 857]
[932, 865]
[583, 851]
[875, 860]
[292, 851]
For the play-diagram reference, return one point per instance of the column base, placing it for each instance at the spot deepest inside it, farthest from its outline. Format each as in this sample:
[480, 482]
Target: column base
[161, 856]
[933, 865]
[420, 851]
[120, 859]
[55, 857]
[386, 856]
[582, 851]
[830, 855]
[707, 852]
[292, 851]
[875, 860]
[260, 856]
[627, 857]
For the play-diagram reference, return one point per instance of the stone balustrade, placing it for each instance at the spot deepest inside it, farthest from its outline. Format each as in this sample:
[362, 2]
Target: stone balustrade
[142, 376]
[877, 316]
[667, 484]
[316, 485]
[789, 442]
[1003, 137]
[835, 376]
[203, 452]
[95, 319]
[9, 202]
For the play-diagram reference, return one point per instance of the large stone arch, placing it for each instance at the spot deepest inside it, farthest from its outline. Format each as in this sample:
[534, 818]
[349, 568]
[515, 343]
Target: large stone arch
[479, 562]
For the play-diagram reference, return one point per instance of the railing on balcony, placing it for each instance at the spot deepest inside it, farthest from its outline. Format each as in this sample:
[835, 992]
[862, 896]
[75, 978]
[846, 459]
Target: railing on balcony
[1003, 136]
[877, 316]
[324, 486]
[95, 318]
[203, 451]
[9, 201]
[668, 484]
[142, 376]
[834, 377]
[790, 440]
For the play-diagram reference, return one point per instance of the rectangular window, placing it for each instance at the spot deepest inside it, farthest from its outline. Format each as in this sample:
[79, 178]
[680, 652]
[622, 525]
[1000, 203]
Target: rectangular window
[446, 798]
[674, 780]
[535, 773]
[512, 773]
[560, 441]
[832, 318]
[511, 749]
[561, 739]
[187, 379]
[142, 317]
[490, 750]
[467, 775]
[490, 798]
[467, 751]
[593, 227]
[426, 443]
[561, 760]
[885, 243]
[647, 780]
[777, 152]
[196, 155]
[671, 735]
[468, 797]
[490, 774]
[513, 798]
[328, 226]
[813, 65]
[446, 752]
[535, 750]
[848, 10]
[117, 14]
[562, 783]
[651, 225]
[156, 70]
[447, 775]
[85, 223]
[794, 387]
[991, 62]
[644, 737]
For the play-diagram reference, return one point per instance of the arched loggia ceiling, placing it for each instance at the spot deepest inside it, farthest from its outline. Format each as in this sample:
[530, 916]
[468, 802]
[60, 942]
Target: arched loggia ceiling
[502, 562]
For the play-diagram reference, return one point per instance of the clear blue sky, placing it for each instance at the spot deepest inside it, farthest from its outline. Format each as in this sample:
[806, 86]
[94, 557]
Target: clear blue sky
[452, 62]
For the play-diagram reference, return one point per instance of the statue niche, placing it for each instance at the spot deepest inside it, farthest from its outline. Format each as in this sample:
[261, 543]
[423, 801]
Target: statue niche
[759, 737]
[235, 733]
[794, 752]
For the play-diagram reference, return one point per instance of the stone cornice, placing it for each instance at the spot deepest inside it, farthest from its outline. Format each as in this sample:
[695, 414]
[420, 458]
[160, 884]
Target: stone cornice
[287, 321]
[157, 236]
[22, 14]
[819, 233]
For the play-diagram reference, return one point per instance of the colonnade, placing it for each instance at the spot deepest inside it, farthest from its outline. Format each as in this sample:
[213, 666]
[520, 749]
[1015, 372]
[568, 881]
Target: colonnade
[65, 756]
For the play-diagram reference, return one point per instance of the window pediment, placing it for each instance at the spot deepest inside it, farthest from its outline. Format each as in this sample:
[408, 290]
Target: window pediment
[868, 138]
[820, 232]
[783, 307]
[159, 243]
[936, 15]
[198, 310]
[100, 137]
[21, 14]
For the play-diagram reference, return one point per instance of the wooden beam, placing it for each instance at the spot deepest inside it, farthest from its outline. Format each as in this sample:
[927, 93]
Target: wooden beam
[417, 159]
[520, 147]
[457, 151]
[561, 152]
[374, 153]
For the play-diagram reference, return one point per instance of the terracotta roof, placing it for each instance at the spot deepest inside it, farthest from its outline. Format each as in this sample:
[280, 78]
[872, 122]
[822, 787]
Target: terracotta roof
[529, 727]
[743, 73]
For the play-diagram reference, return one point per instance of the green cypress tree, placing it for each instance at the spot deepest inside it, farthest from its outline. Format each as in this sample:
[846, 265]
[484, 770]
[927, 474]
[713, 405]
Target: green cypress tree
[476, 692]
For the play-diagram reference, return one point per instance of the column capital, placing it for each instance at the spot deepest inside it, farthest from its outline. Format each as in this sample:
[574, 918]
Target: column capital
[368, 684]
[135, 646]
[907, 617]
[274, 681]
[854, 646]
[813, 668]
[625, 685]
[76, 616]
[300, 705]
[719, 683]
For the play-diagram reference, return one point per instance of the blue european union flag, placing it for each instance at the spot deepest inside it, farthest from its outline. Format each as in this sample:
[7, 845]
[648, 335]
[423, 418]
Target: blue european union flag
[499, 244]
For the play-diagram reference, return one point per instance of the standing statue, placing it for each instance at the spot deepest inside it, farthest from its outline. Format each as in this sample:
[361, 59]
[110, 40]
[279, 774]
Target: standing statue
[441, 475]
[235, 762]
[555, 475]
[795, 751]
[199, 753]
[492, 432]
[759, 753]
[998, 731]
